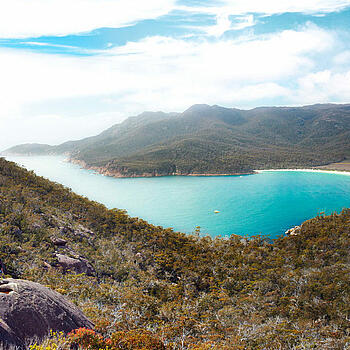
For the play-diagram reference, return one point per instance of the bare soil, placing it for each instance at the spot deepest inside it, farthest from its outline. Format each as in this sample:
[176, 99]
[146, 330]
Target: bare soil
[342, 166]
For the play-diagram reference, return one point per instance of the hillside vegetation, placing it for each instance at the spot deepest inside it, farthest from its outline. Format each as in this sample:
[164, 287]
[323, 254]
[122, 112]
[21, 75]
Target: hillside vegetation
[152, 288]
[213, 140]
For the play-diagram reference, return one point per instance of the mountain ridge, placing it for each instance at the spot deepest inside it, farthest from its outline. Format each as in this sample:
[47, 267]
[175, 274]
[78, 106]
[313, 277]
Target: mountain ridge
[212, 140]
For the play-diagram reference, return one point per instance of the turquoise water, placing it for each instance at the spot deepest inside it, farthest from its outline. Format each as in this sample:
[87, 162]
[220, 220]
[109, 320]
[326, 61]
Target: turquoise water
[267, 203]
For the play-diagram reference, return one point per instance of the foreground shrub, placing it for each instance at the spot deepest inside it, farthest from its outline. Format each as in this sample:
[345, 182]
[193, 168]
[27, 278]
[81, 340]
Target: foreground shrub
[124, 340]
[55, 341]
[136, 340]
[87, 339]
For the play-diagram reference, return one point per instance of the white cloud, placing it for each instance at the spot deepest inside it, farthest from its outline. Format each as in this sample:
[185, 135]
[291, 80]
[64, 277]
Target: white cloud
[324, 86]
[342, 58]
[35, 43]
[157, 63]
[248, 8]
[224, 24]
[272, 57]
[270, 7]
[244, 22]
[159, 73]
[259, 91]
[33, 18]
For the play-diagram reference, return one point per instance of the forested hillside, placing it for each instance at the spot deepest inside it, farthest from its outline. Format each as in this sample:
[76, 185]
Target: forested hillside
[146, 287]
[212, 139]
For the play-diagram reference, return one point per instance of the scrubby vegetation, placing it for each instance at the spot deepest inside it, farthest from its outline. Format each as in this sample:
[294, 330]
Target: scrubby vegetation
[153, 288]
[214, 140]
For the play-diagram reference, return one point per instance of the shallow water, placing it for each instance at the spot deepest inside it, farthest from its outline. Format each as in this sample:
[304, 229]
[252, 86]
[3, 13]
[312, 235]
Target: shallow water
[268, 203]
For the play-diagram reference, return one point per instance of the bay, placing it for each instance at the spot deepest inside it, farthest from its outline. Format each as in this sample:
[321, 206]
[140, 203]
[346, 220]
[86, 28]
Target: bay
[268, 203]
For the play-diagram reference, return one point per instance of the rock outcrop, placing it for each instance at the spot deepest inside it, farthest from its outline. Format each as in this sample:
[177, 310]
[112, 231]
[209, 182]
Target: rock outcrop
[59, 242]
[29, 310]
[293, 231]
[77, 265]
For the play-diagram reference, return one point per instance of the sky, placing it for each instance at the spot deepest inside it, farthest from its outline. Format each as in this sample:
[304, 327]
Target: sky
[70, 69]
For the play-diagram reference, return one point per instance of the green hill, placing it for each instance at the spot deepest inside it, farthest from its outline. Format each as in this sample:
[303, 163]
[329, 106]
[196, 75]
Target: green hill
[213, 139]
[146, 284]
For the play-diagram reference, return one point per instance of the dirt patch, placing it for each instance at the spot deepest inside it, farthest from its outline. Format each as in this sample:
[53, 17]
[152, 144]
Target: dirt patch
[342, 166]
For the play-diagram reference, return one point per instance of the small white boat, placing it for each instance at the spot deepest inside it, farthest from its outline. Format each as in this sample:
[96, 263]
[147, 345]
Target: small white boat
[216, 211]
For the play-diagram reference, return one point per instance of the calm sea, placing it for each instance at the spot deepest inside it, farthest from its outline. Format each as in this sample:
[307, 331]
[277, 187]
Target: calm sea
[268, 203]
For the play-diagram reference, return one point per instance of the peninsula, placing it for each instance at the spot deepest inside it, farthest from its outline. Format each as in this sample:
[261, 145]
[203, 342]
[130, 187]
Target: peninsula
[212, 140]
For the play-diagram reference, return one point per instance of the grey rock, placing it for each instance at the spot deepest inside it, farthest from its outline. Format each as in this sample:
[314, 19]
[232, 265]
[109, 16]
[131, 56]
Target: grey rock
[8, 339]
[78, 265]
[28, 311]
[59, 242]
[294, 231]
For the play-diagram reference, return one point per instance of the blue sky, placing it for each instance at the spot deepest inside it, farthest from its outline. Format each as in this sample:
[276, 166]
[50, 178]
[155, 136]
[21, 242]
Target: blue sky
[69, 69]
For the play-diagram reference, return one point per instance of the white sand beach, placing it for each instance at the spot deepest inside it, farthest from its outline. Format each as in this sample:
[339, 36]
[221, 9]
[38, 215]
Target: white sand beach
[335, 172]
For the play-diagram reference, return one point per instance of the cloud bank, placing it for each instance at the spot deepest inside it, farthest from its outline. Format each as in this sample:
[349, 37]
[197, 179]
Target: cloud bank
[163, 73]
[271, 7]
[52, 98]
[34, 18]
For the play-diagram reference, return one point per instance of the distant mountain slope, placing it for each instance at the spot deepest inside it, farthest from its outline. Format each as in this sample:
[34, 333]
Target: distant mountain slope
[213, 139]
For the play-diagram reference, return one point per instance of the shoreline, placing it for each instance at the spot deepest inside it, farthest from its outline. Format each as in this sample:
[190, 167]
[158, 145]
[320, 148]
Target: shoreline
[307, 170]
[105, 172]
[102, 171]
[119, 175]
